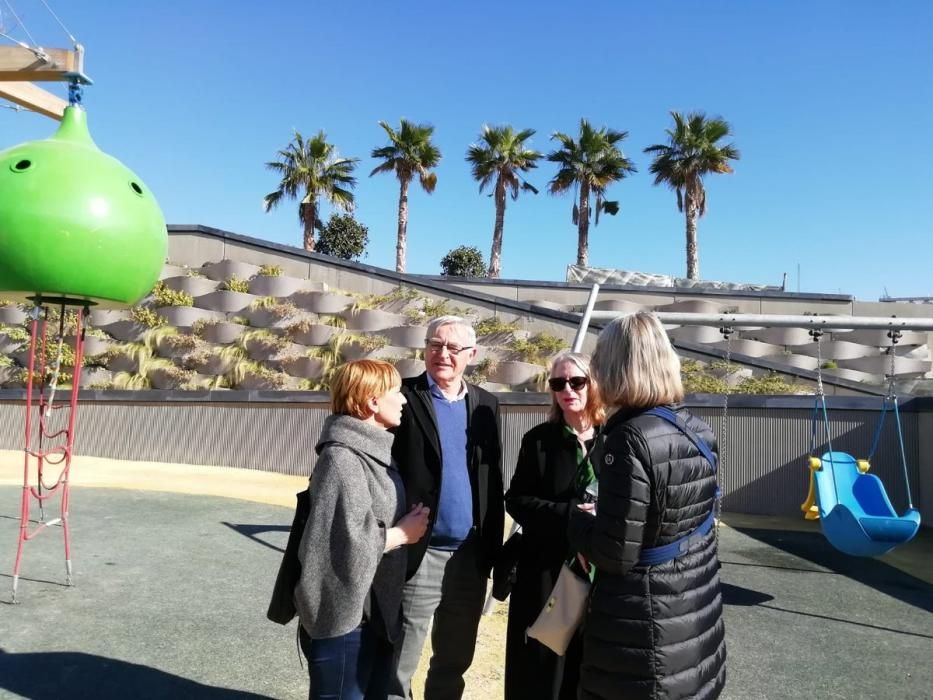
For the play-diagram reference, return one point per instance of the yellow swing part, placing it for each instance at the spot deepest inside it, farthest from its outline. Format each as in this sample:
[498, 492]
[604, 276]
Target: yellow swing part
[810, 510]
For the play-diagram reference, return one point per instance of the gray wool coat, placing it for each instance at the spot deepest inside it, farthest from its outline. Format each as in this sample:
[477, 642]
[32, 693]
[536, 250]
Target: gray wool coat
[346, 577]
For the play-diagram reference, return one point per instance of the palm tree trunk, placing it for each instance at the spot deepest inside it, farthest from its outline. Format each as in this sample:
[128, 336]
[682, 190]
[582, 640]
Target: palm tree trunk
[402, 243]
[309, 216]
[495, 255]
[693, 256]
[583, 225]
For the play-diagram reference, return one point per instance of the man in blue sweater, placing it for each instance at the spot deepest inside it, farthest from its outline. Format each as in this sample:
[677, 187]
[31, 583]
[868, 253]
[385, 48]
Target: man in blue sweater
[449, 454]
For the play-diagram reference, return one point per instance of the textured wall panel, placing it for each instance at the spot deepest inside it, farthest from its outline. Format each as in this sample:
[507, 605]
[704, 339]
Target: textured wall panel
[764, 469]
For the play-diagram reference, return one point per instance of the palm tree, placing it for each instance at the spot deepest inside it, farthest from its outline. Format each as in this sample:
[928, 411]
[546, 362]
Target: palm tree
[591, 164]
[691, 152]
[311, 169]
[501, 156]
[410, 151]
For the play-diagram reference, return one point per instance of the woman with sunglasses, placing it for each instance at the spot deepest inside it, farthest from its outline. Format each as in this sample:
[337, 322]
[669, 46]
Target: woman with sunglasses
[550, 479]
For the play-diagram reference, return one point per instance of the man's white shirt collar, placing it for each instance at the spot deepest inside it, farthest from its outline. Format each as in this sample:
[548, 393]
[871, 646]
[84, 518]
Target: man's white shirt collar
[436, 390]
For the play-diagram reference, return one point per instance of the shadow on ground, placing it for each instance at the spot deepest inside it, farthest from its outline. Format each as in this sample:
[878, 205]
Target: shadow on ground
[54, 675]
[252, 532]
[873, 573]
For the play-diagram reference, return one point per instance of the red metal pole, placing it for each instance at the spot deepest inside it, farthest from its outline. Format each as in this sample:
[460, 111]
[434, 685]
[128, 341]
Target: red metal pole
[46, 454]
[24, 507]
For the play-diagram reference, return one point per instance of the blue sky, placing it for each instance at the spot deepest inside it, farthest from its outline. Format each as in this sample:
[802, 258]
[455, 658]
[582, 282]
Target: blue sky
[830, 103]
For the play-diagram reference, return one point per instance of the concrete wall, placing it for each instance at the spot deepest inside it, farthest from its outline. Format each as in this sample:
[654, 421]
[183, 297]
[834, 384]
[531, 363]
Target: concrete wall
[509, 300]
[763, 469]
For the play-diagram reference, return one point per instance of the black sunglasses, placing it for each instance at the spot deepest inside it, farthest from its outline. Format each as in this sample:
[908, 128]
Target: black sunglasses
[576, 383]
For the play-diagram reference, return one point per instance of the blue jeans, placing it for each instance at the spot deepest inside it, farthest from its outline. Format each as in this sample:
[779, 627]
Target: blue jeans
[353, 666]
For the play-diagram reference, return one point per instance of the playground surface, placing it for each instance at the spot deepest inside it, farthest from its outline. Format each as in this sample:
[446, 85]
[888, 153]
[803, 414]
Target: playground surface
[174, 565]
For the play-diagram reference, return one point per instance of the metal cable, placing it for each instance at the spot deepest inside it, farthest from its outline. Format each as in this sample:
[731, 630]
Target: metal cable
[724, 434]
[60, 23]
[22, 44]
[20, 23]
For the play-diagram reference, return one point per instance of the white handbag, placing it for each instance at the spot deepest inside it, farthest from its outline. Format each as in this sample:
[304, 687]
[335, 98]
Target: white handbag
[563, 612]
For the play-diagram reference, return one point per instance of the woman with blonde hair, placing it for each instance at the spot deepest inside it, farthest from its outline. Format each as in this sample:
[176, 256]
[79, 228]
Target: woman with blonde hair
[653, 626]
[550, 479]
[349, 595]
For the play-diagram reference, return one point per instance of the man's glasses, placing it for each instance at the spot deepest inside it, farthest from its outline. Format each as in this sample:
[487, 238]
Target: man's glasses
[437, 347]
[576, 383]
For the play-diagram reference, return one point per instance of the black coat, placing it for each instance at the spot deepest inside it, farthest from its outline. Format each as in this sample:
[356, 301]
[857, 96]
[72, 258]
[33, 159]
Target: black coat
[651, 632]
[417, 451]
[540, 498]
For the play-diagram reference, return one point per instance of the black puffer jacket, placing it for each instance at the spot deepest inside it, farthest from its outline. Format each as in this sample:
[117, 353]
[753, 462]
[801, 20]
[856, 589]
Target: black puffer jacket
[651, 632]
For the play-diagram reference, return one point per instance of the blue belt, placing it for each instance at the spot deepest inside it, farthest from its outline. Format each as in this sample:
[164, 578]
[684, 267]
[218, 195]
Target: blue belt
[668, 552]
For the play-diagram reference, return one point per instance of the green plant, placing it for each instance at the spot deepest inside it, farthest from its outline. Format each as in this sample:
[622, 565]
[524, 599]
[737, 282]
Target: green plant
[493, 326]
[239, 320]
[246, 368]
[432, 308]
[830, 364]
[15, 333]
[270, 271]
[770, 384]
[375, 301]
[139, 352]
[343, 237]
[721, 368]
[538, 348]
[199, 326]
[275, 307]
[480, 372]
[95, 333]
[129, 381]
[302, 326]
[235, 284]
[696, 380]
[367, 343]
[152, 337]
[333, 321]
[146, 317]
[261, 338]
[163, 296]
[173, 373]
[193, 272]
[6, 361]
[463, 261]
[182, 343]
[314, 385]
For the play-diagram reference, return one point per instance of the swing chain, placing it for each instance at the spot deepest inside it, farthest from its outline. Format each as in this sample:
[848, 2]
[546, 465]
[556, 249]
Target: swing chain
[727, 332]
[895, 336]
[817, 335]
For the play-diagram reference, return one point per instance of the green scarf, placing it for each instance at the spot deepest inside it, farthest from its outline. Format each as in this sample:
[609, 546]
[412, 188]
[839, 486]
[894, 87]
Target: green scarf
[586, 475]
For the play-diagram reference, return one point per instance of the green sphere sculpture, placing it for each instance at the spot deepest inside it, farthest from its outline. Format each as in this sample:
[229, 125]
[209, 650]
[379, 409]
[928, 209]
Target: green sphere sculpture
[75, 223]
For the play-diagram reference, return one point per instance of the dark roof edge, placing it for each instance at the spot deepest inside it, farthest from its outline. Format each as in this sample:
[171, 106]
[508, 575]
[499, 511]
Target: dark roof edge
[765, 293]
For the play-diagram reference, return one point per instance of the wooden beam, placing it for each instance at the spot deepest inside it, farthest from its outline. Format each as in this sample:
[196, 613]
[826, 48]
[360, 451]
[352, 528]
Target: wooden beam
[18, 64]
[34, 98]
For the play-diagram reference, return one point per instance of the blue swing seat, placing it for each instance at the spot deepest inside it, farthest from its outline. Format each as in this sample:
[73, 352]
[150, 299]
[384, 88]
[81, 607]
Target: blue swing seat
[862, 522]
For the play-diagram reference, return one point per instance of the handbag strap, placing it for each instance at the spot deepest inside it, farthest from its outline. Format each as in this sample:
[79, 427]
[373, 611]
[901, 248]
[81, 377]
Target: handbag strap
[664, 413]
[652, 556]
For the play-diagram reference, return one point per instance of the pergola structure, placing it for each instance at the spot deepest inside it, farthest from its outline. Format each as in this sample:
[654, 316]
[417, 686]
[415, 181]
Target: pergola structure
[21, 67]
